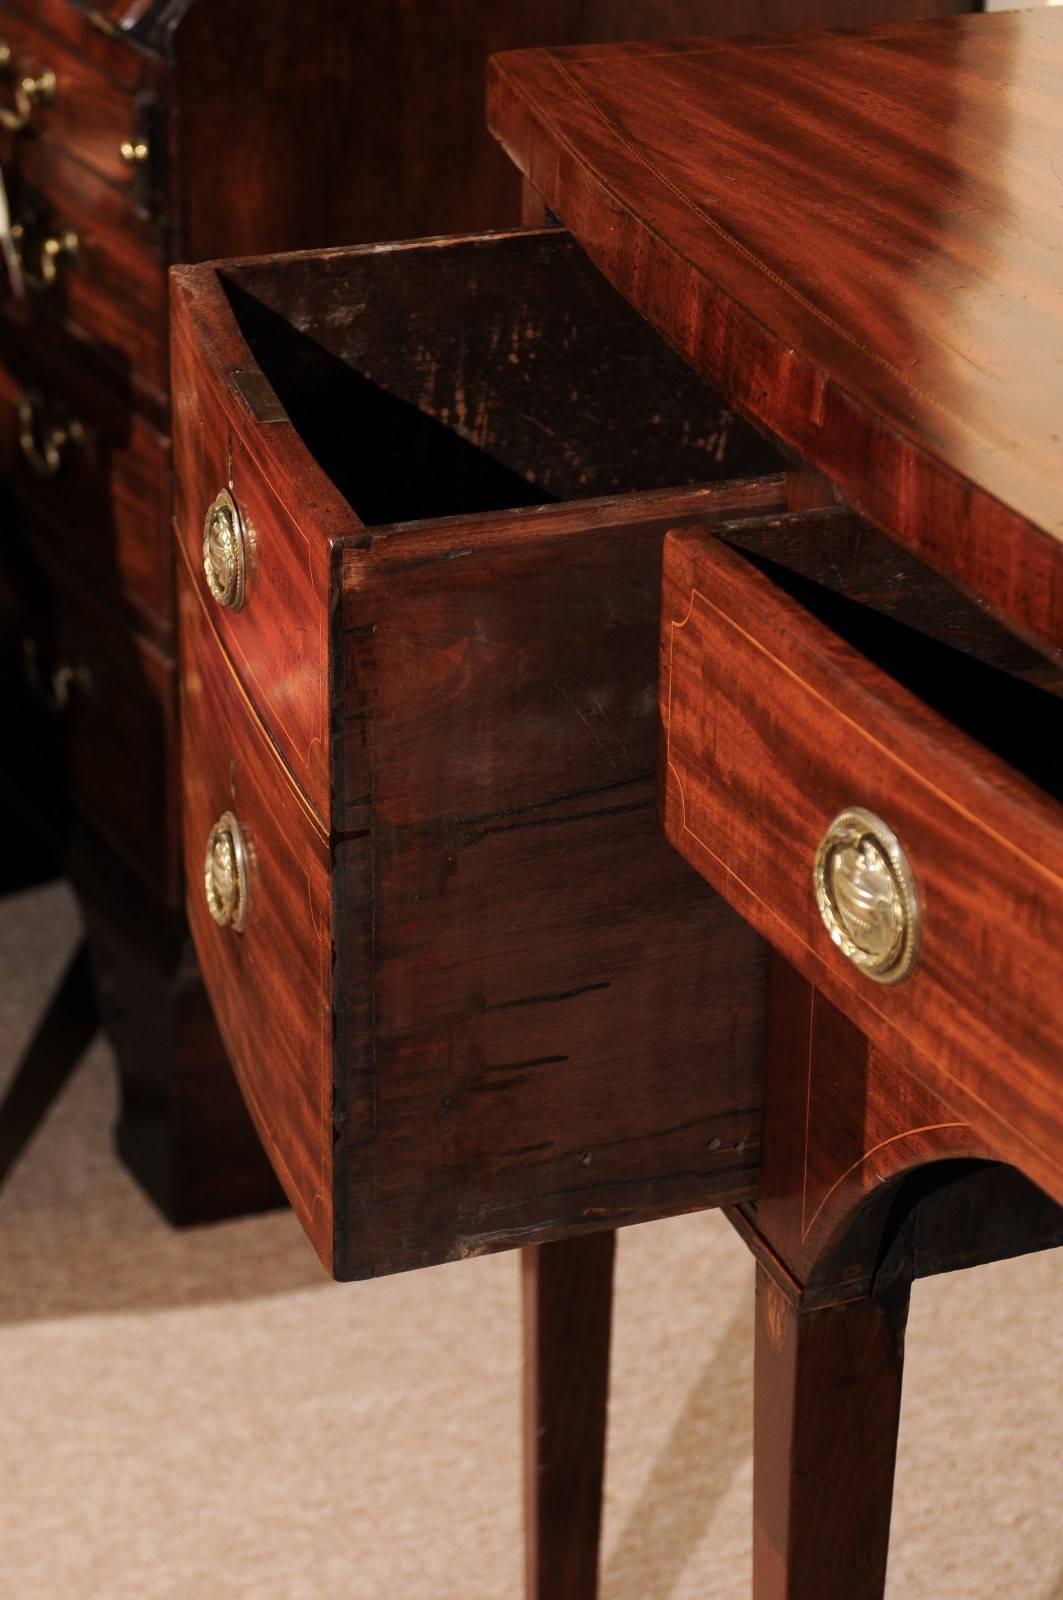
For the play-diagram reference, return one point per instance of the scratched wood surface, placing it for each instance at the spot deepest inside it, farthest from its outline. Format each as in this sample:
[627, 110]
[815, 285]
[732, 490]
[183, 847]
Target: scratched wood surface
[857, 237]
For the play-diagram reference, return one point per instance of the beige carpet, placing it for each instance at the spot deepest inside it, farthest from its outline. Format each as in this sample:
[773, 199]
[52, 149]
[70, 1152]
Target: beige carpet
[202, 1417]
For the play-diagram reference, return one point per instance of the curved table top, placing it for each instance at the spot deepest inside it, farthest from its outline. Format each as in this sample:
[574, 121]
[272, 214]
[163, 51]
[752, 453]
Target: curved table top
[858, 237]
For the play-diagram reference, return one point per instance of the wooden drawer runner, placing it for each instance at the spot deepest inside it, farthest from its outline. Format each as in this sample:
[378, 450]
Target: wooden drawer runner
[785, 704]
[541, 1023]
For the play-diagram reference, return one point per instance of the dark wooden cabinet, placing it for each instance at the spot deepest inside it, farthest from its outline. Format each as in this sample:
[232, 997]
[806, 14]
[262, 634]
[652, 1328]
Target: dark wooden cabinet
[135, 134]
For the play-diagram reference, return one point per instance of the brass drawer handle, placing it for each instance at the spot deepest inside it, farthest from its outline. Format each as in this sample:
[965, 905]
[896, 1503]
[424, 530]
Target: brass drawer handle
[29, 92]
[43, 442]
[867, 896]
[40, 259]
[134, 152]
[225, 552]
[225, 874]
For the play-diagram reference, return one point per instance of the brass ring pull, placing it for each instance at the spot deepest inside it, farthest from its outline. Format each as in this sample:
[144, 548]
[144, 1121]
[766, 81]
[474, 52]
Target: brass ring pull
[225, 874]
[29, 92]
[867, 896]
[53, 250]
[43, 444]
[225, 552]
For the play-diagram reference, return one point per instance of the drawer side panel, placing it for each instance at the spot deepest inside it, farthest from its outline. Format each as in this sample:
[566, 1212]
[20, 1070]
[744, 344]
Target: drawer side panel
[567, 1026]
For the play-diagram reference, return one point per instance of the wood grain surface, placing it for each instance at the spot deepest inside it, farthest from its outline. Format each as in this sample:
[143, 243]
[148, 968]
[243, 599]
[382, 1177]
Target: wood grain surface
[567, 1297]
[91, 111]
[827, 1410]
[104, 512]
[269, 985]
[867, 1183]
[515, 944]
[392, 98]
[278, 641]
[536, 962]
[856, 237]
[783, 705]
[113, 293]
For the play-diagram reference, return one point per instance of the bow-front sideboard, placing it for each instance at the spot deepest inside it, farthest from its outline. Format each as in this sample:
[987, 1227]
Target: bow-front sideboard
[134, 133]
[799, 345]
[856, 239]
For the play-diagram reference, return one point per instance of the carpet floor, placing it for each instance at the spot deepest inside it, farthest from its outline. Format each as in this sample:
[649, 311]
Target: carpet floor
[201, 1416]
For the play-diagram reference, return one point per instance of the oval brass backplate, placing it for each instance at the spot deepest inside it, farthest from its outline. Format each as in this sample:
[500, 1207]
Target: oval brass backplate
[225, 874]
[225, 552]
[867, 895]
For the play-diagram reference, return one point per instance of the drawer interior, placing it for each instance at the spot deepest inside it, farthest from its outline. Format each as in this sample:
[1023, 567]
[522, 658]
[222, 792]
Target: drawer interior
[923, 633]
[449, 377]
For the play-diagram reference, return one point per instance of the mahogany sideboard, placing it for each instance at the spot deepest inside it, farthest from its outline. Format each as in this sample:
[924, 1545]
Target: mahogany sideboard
[861, 702]
[469, 1004]
[134, 133]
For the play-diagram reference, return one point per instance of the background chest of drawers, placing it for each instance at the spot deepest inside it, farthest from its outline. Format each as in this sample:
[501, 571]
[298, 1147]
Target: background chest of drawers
[136, 133]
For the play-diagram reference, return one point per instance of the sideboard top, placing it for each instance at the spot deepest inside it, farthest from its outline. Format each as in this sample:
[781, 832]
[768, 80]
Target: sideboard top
[858, 236]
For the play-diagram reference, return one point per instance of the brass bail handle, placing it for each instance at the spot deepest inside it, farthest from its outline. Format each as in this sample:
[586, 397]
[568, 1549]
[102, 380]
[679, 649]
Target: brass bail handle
[29, 92]
[40, 269]
[867, 896]
[44, 444]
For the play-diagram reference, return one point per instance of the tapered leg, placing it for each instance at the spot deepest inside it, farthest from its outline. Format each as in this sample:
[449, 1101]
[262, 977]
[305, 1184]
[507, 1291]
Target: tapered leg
[63, 1035]
[568, 1298]
[827, 1408]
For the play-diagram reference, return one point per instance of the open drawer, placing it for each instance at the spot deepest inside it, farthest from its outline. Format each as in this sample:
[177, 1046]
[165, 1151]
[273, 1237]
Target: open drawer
[475, 999]
[870, 770]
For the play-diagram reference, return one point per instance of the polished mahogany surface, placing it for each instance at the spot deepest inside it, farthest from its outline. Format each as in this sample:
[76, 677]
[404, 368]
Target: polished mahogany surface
[785, 700]
[858, 237]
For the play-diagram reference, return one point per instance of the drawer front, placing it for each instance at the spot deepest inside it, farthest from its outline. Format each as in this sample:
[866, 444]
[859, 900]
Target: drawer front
[276, 634]
[109, 699]
[774, 726]
[90, 111]
[89, 260]
[93, 476]
[269, 983]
